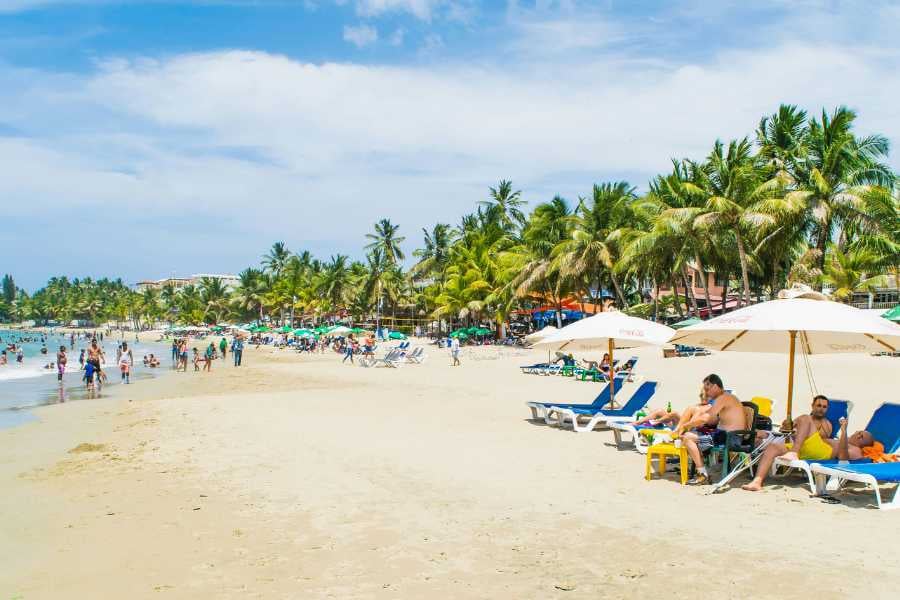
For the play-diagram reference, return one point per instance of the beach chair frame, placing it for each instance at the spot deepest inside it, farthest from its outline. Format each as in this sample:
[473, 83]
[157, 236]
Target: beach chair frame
[825, 473]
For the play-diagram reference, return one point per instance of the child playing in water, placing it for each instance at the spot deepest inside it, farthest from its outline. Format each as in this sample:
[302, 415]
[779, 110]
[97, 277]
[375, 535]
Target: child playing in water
[61, 361]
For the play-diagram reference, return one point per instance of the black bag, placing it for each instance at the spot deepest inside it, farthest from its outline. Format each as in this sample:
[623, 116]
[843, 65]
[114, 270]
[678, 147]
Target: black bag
[762, 423]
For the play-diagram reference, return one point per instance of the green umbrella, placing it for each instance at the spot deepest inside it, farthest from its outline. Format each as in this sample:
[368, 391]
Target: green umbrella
[285, 329]
[460, 333]
[261, 329]
[218, 328]
[396, 335]
[483, 331]
[321, 329]
[893, 314]
[302, 331]
[686, 323]
[358, 330]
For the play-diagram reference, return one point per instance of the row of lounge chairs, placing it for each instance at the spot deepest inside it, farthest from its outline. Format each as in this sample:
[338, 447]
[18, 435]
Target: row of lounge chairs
[823, 476]
[578, 373]
[396, 357]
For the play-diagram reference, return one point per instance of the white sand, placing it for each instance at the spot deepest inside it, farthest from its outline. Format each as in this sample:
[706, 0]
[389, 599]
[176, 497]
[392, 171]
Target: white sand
[299, 477]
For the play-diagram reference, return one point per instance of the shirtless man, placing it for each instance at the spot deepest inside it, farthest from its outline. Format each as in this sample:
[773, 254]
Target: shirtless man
[813, 438]
[94, 356]
[726, 414]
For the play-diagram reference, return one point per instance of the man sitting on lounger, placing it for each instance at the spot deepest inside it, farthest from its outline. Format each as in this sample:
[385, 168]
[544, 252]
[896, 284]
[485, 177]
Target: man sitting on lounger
[711, 424]
[813, 438]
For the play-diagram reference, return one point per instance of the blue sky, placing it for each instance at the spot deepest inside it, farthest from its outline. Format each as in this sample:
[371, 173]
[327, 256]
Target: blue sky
[141, 138]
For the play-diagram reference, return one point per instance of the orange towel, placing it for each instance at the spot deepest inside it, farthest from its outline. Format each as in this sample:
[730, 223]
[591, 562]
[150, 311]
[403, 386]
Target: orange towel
[875, 452]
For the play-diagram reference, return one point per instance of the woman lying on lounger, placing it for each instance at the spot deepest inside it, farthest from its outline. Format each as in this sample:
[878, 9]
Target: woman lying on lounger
[661, 416]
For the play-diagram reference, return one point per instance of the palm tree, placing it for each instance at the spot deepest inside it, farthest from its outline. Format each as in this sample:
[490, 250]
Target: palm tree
[433, 258]
[247, 297]
[851, 272]
[386, 240]
[592, 247]
[505, 206]
[334, 283]
[838, 171]
[732, 184]
[276, 259]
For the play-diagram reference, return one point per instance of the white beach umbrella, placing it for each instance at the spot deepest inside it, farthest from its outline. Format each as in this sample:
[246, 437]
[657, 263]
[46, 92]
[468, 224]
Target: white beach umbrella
[608, 330]
[820, 325]
[340, 330]
[533, 338]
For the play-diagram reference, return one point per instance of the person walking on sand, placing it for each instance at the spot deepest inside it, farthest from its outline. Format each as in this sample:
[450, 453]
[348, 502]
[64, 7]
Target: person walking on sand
[348, 349]
[454, 350]
[208, 357]
[126, 359]
[61, 360]
[237, 350]
[223, 348]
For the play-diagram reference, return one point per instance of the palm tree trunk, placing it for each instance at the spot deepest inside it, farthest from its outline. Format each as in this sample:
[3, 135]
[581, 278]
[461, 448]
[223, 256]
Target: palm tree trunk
[689, 291]
[724, 293]
[677, 297]
[705, 278]
[616, 287]
[774, 283]
[655, 300]
[821, 245]
[743, 255]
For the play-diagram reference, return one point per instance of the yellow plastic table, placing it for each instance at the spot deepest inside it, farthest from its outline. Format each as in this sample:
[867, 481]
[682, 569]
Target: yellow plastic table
[661, 451]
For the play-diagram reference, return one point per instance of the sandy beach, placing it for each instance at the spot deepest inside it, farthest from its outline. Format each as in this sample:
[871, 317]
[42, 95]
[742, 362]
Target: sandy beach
[300, 477]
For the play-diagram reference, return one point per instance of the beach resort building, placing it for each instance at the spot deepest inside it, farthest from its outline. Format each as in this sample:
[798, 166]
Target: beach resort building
[229, 281]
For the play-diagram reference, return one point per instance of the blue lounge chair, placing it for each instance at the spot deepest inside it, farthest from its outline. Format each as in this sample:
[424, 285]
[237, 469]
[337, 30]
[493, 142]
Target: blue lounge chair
[539, 409]
[884, 427]
[595, 416]
[871, 474]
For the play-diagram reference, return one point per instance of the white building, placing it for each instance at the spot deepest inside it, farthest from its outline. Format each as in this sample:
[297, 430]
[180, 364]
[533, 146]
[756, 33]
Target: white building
[229, 281]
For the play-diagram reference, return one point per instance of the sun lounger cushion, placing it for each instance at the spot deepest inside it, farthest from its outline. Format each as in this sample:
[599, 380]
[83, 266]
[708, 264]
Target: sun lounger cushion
[883, 472]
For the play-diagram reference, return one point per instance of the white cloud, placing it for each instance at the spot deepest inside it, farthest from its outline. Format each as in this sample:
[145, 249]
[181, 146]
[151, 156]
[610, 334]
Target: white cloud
[423, 9]
[396, 38]
[361, 35]
[267, 145]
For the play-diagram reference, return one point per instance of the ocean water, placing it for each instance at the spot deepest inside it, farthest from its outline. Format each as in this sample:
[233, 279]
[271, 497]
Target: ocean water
[28, 384]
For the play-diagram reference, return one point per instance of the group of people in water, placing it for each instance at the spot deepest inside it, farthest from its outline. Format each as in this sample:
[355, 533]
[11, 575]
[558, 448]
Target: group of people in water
[91, 359]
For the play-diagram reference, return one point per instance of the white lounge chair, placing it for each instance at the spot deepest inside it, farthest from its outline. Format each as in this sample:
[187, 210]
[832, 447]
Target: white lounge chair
[596, 417]
[417, 356]
[870, 474]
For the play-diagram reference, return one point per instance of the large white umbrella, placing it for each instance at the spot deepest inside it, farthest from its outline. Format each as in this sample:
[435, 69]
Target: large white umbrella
[820, 325]
[340, 330]
[608, 329]
[533, 338]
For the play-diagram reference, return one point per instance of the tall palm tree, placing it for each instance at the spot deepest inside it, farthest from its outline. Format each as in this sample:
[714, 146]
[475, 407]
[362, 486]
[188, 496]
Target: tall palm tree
[386, 241]
[275, 260]
[505, 206]
[433, 258]
[838, 171]
[732, 184]
[591, 250]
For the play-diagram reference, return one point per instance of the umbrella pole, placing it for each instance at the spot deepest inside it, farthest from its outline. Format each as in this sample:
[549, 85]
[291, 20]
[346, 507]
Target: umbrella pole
[612, 380]
[789, 423]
